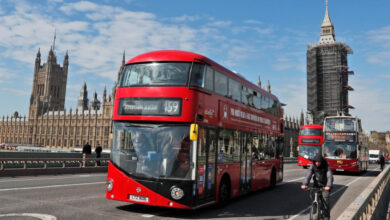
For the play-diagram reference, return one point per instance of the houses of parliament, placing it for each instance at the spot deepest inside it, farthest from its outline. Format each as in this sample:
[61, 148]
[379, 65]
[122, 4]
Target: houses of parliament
[48, 123]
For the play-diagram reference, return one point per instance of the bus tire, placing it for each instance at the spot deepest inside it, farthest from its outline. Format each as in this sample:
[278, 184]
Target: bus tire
[273, 178]
[224, 192]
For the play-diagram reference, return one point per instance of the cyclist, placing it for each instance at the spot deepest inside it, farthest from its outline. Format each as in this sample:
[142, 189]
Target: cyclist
[322, 178]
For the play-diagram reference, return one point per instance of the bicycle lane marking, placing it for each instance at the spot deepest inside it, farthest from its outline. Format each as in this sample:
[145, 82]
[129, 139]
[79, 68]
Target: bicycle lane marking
[51, 178]
[50, 186]
[341, 188]
[285, 182]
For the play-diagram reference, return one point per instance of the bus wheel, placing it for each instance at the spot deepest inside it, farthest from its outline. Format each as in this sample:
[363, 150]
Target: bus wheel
[224, 192]
[304, 167]
[273, 178]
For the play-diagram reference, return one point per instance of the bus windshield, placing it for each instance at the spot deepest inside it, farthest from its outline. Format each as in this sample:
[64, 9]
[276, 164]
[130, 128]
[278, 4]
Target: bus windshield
[310, 131]
[309, 151]
[152, 151]
[340, 150]
[158, 74]
[340, 124]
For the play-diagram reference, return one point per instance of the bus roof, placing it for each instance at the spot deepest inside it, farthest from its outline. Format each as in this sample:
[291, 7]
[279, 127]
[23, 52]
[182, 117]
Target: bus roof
[313, 126]
[185, 56]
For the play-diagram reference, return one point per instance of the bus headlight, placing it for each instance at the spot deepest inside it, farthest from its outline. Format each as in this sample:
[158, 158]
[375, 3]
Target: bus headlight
[176, 193]
[109, 185]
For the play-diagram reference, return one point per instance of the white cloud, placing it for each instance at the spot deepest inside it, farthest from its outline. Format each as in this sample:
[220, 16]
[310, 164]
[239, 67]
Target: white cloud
[253, 22]
[82, 6]
[380, 40]
[186, 18]
[371, 104]
[17, 92]
[294, 96]
[382, 57]
[293, 60]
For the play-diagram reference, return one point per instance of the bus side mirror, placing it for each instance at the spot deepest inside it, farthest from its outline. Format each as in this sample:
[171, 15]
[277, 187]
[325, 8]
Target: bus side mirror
[194, 132]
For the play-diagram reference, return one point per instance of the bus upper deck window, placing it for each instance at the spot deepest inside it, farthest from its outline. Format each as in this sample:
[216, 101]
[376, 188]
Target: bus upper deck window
[197, 75]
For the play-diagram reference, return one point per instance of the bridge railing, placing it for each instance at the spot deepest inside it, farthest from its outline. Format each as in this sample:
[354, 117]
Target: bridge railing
[51, 163]
[372, 203]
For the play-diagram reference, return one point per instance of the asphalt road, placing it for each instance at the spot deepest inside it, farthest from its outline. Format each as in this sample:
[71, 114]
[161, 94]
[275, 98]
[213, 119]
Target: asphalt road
[83, 197]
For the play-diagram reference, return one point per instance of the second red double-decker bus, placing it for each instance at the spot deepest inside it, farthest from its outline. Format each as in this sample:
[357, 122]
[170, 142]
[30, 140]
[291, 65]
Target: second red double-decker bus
[343, 146]
[310, 142]
[187, 133]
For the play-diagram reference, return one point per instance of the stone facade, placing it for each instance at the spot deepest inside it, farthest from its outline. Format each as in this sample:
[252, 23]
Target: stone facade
[291, 131]
[48, 123]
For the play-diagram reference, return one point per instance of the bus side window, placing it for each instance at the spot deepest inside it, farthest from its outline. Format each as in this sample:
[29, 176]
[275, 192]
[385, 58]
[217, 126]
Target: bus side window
[209, 79]
[225, 146]
[269, 147]
[262, 144]
[255, 148]
[220, 84]
[236, 146]
[197, 75]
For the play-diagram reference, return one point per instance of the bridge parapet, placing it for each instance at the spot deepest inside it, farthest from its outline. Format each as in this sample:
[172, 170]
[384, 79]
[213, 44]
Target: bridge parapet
[34, 166]
[373, 202]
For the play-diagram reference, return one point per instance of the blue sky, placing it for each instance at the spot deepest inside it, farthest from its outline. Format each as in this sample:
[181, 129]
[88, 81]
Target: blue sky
[253, 37]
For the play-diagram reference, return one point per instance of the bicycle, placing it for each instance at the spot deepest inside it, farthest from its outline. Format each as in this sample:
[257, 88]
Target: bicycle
[317, 210]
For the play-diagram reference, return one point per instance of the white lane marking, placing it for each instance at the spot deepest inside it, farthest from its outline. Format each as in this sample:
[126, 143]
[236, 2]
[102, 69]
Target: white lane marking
[282, 183]
[54, 178]
[35, 215]
[51, 186]
[147, 216]
[304, 210]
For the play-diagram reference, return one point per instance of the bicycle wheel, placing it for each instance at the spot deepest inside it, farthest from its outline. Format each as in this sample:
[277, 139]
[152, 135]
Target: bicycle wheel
[314, 212]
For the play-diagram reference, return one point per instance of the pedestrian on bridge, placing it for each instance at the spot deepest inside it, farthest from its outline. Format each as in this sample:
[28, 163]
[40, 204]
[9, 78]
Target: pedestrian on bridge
[382, 161]
[98, 151]
[322, 178]
[86, 151]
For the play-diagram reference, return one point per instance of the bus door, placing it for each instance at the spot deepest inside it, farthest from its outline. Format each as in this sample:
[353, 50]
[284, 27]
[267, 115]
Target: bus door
[206, 169]
[246, 162]
[259, 168]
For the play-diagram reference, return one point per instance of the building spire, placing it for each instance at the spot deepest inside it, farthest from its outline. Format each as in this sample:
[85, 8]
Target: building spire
[269, 87]
[123, 58]
[54, 40]
[327, 28]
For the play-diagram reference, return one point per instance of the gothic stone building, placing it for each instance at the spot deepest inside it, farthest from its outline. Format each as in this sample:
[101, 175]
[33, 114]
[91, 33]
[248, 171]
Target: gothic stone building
[48, 123]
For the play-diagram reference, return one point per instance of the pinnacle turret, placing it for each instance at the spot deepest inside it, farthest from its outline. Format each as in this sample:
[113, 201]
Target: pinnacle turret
[327, 28]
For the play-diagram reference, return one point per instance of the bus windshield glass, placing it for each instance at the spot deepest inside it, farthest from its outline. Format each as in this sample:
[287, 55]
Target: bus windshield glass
[158, 74]
[340, 124]
[309, 151]
[310, 131]
[340, 150]
[152, 151]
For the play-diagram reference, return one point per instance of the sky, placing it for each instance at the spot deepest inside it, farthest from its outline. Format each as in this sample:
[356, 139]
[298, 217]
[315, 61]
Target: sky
[266, 38]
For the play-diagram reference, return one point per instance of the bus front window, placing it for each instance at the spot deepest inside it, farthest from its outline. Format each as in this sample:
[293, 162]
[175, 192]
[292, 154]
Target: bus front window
[152, 151]
[156, 74]
[309, 151]
[340, 150]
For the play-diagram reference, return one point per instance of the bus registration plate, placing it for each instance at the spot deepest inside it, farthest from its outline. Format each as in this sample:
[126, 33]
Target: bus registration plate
[339, 169]
[139, 198]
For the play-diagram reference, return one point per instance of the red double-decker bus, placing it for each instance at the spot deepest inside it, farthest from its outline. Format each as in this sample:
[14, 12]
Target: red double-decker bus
[310, 142]
[343, 146]
[188, 133]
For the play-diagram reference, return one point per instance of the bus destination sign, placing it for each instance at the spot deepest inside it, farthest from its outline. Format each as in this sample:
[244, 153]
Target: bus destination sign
[310, 140]
[150, 106]
[340, 136]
